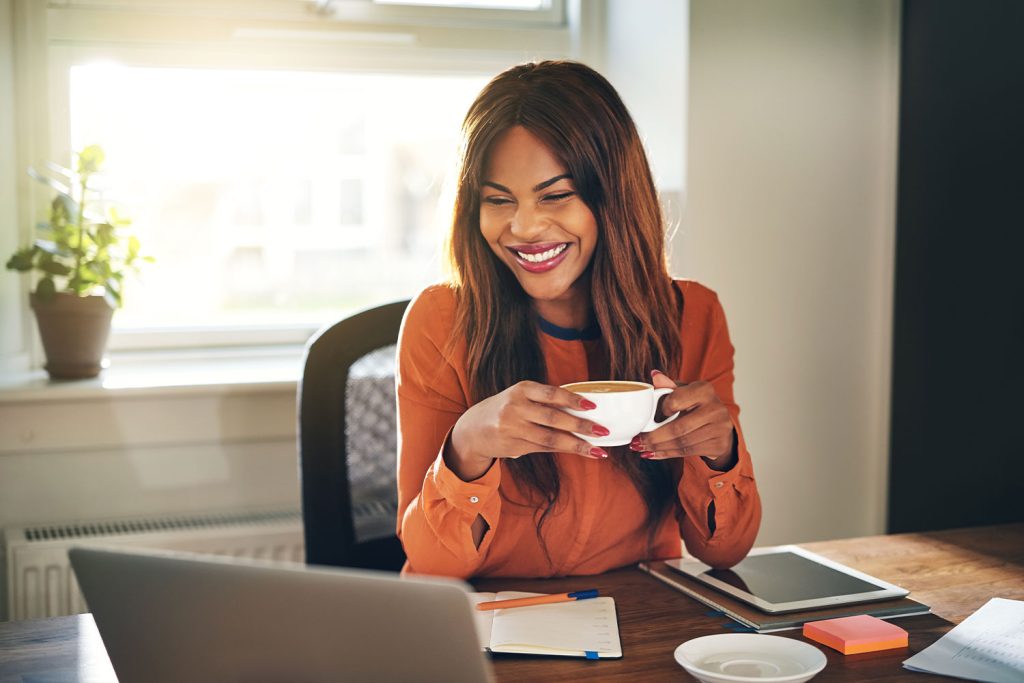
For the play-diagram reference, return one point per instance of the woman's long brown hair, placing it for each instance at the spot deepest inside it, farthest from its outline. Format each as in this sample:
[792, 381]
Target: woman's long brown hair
[575, 112]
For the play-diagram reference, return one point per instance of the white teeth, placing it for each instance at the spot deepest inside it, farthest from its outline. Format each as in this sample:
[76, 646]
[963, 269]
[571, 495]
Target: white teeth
[544, 255]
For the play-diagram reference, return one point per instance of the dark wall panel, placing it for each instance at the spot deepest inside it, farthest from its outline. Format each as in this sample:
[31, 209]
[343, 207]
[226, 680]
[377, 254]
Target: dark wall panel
[958, 378]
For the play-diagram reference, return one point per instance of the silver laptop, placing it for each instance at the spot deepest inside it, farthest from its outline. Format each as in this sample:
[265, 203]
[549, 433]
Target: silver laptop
[177, 617]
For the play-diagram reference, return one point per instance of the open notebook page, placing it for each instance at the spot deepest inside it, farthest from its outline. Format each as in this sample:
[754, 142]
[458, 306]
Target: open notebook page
[485, 619]
[564, 628]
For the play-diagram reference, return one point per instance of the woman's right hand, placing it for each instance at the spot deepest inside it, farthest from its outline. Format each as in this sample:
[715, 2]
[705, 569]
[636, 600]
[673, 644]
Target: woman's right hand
[525, 418]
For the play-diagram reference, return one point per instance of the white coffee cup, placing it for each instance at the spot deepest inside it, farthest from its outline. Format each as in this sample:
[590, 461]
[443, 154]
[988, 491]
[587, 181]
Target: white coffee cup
[624, 408]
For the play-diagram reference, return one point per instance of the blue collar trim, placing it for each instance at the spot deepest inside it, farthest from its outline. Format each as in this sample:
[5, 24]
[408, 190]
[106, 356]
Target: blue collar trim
[567, 333]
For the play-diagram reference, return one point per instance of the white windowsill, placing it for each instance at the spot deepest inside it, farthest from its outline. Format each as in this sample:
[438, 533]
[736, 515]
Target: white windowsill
[219, 371]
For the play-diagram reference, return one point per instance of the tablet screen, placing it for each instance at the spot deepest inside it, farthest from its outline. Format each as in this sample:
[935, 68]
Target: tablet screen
[788, 577]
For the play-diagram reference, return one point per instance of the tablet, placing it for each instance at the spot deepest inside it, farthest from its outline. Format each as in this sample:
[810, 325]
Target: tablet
[788, 579]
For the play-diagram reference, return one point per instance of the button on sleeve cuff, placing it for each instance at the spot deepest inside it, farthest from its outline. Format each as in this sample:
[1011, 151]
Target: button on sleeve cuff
[471, 497]
[715, 482]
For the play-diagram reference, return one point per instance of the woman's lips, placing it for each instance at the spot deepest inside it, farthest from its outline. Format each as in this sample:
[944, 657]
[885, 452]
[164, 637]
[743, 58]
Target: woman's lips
[539, 258]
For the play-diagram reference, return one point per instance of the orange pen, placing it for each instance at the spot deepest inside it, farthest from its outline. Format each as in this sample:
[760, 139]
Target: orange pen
[537, 600]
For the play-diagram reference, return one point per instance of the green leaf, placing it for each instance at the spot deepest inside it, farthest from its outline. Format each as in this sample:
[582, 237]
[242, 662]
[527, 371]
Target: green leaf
[90, 159]
[63, 241]
[100, 269]
[46, 289]
[80, 241]
[61, 209]
[22, 259]
[117, 219]
[105, 235]
[53, 267]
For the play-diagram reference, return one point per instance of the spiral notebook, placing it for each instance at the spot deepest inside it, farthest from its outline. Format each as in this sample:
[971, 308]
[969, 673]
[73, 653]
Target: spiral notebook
[580, 628]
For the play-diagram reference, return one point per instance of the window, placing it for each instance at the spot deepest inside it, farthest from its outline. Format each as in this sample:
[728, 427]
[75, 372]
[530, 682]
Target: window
[273, 197]
[282, 160]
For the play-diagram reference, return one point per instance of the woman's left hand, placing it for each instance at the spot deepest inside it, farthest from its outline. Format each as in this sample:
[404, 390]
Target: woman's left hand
[704, 426]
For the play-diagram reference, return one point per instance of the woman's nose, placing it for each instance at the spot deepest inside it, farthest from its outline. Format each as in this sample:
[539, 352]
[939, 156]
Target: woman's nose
[527, 221]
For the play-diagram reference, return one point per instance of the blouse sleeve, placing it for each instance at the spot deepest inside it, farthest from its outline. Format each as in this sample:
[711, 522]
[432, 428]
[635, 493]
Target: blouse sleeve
[436, 509]
[721, 511]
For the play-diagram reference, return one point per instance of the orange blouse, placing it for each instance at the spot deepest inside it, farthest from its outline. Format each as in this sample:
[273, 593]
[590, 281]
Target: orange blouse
[598, 523]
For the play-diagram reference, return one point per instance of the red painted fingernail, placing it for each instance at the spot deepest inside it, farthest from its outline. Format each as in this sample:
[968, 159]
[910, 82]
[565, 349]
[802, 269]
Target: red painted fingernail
[600, 431]
[636, 444]
[656, 372]
[587, 405]
[598, 452]
[646, 455]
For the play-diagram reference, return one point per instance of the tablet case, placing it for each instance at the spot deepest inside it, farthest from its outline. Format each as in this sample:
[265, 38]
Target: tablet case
[762, 622]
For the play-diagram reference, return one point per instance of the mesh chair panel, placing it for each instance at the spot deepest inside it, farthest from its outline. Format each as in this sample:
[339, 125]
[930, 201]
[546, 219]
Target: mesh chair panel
[371, 437]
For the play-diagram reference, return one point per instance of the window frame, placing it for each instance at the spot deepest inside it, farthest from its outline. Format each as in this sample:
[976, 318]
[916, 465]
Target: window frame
[429, 40]
[551, 12]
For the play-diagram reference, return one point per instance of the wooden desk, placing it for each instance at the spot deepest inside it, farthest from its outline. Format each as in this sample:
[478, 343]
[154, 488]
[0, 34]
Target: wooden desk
[955, 572]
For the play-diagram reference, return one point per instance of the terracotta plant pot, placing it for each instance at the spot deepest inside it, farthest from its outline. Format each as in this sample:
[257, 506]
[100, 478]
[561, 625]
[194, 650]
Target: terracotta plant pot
[74, 330]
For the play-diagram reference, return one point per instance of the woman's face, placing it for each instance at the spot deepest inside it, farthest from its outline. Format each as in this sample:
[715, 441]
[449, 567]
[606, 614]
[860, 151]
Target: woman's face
[533, 219]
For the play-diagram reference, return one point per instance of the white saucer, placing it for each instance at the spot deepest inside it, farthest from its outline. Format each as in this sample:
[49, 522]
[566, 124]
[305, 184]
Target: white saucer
[741, 657]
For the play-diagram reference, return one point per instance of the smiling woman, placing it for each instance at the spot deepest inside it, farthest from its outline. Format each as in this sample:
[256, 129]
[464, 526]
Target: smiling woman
[557, 253]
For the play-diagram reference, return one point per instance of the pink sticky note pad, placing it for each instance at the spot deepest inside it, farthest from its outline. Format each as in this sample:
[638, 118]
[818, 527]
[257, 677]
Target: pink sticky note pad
[852, 635]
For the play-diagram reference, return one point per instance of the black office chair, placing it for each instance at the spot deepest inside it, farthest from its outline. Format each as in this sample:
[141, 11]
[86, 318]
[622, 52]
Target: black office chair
[348, 441]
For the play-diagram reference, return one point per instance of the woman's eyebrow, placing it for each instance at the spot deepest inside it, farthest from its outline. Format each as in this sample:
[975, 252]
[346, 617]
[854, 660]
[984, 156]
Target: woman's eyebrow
[536, 188]
[551, 181]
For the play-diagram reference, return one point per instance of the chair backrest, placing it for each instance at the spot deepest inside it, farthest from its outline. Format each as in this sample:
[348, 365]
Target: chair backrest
[348, 441]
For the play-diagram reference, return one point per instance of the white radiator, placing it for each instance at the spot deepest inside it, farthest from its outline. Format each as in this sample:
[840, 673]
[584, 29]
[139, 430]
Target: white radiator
[40, 582]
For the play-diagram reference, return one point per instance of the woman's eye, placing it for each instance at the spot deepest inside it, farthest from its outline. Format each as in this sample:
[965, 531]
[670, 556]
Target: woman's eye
[558, 196]
[497, 201]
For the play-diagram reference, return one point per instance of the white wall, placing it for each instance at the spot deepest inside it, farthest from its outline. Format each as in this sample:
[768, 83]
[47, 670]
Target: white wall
[790, 217]
[127, 452]
[11, 335]
[645, 59]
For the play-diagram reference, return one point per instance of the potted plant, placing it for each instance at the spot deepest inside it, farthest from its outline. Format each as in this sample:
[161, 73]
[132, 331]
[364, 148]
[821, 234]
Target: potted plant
[82, 255]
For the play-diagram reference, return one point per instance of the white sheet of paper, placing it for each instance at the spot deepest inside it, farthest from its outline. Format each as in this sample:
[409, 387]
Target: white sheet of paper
[485, 620]
[572, 626]
[986, 646]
